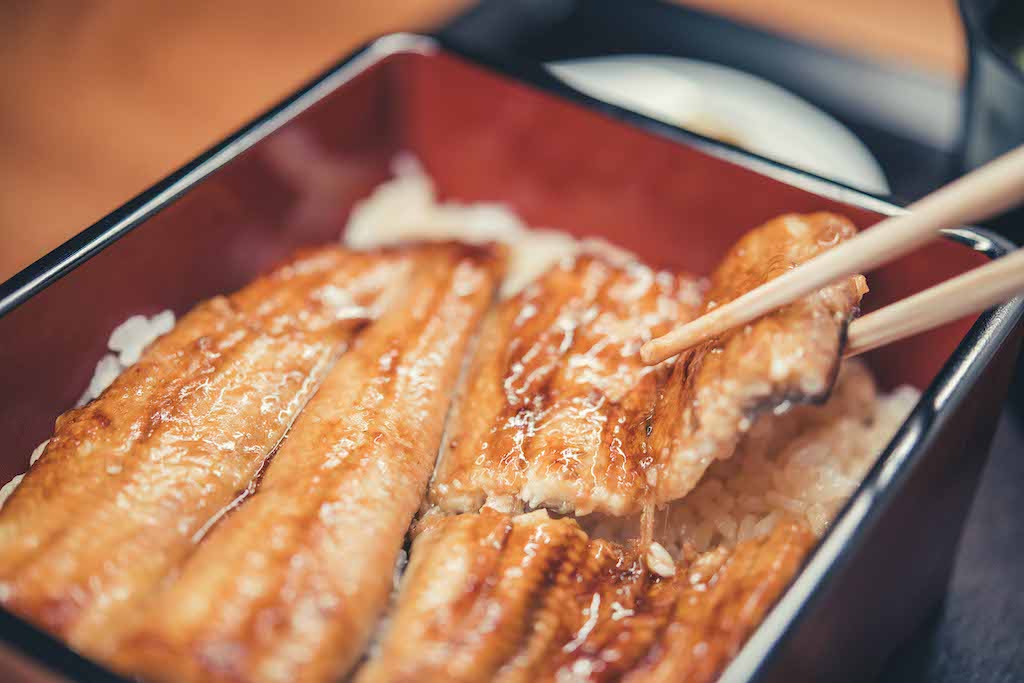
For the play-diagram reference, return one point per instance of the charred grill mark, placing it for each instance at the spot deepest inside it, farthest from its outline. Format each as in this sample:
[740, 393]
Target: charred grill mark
[553, 566]
[554, 622]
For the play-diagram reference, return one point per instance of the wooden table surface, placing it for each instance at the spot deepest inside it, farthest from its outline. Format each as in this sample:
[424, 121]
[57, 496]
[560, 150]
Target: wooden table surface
[100, 98]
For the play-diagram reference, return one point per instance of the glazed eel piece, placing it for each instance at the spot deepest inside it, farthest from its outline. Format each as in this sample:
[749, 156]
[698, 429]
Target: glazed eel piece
[128, 482]
[494, 597]
[289, 586]
[555, 406]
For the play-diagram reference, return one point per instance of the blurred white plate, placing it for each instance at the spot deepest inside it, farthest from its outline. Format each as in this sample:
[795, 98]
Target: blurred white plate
[725, 103]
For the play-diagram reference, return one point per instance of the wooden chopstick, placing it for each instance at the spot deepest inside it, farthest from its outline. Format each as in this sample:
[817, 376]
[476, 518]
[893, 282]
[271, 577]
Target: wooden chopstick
[986, 191]
[974, 291]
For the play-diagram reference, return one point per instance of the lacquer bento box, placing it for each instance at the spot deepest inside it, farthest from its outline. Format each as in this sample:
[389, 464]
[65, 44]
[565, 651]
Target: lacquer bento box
[509, 133]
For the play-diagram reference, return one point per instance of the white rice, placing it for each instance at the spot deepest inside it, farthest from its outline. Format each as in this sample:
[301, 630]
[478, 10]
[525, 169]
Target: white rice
[809, 478]
[8, 488]
[406, 209]
[126, 343]
[130, 338]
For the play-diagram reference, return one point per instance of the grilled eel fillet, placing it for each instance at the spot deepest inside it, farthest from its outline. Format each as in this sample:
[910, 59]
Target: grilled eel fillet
[289, 586]
[788, 356]
[557, 411]
[556, 402]
[128, 482]
[490, 597]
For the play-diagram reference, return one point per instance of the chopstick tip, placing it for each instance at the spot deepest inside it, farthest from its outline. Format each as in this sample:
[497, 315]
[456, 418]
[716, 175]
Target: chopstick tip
[650, 353]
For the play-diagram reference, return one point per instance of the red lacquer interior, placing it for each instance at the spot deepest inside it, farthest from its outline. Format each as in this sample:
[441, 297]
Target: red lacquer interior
[482, 136]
